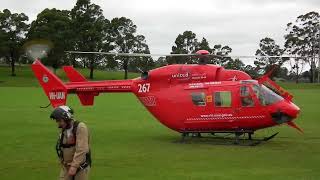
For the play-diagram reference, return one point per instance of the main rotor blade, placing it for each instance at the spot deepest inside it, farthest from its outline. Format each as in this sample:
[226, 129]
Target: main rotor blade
[179, 55]
[284, 56]
[128, 54]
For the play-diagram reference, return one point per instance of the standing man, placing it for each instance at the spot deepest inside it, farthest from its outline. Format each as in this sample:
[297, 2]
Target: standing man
[72, 146]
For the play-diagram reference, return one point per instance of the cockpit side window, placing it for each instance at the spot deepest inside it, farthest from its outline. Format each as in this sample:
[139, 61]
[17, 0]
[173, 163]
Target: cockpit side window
[246, 99]
[198, 98]
[265, 95]
[244, 91]
[259, 94]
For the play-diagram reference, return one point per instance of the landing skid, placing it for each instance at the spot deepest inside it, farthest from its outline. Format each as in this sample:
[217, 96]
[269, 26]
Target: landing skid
[240, 138]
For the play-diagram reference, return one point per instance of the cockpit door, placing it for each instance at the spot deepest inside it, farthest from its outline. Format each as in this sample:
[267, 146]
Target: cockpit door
[249, 110]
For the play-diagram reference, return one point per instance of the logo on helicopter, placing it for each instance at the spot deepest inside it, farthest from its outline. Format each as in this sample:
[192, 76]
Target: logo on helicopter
[148, 100]
[180, 75]
[234, 78]
[45, 78]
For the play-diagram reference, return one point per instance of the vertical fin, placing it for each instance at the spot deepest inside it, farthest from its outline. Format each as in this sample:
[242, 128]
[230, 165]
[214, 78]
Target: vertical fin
[86, 98]
[53, 87]
[73, 75]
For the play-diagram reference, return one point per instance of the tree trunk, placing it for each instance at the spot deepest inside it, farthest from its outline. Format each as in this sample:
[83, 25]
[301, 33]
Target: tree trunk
[312, 70]
[73, 59]
[125, 67]
[91, 67]
[314, 75]
[13, 73]
[310, 75]
[297, 76]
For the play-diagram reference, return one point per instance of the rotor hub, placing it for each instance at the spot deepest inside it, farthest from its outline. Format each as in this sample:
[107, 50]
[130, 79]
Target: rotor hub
[202, 52]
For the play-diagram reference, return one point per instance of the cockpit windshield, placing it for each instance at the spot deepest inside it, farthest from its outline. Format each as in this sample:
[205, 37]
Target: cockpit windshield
[265, 95]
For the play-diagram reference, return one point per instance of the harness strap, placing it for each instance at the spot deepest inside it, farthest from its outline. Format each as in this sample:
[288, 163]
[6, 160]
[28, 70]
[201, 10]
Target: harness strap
[60, 146]
[67, 145]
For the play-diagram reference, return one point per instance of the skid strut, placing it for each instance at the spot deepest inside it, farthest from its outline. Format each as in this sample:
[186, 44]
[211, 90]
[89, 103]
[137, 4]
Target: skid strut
[237, 140]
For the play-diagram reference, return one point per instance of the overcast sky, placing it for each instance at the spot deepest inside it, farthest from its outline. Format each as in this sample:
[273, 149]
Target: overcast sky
[237, 23]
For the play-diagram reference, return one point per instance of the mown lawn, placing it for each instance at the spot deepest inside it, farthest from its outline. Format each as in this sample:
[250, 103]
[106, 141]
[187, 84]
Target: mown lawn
[128, 143]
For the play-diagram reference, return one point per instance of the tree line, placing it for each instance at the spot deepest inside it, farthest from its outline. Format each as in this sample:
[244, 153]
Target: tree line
[84, 28]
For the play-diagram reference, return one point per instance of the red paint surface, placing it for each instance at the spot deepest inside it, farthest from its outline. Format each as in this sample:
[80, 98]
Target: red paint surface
[166, 94]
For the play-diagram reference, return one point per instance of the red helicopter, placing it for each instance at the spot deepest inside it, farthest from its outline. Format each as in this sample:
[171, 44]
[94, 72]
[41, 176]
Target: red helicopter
[188, 98]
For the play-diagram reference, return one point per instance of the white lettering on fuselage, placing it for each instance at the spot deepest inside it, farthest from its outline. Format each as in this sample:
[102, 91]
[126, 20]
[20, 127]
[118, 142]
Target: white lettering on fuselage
[57, 95]
[195, 85]
[180, 75]
[206, 117]
[216, 115]
[144, 88]
[212, 83]
[198, 76]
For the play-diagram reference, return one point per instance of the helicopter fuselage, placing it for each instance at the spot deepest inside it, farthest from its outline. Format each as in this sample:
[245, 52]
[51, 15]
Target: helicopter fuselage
[186, 98]
[208, 98]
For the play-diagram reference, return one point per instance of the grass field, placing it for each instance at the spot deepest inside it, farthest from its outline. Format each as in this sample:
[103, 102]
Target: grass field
[128, 143]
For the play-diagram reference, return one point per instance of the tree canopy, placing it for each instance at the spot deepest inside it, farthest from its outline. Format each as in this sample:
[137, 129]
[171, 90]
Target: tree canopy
[13, 28]
[85, 28]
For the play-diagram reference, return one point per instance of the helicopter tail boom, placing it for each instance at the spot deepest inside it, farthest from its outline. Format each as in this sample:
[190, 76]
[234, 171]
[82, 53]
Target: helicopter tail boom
[57, 91]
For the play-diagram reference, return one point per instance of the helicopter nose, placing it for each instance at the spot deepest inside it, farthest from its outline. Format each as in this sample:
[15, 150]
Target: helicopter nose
[286, 111]
[293, 110]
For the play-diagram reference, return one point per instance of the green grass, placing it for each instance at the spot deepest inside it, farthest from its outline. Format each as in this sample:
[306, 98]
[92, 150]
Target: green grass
[128, 143]
[292, 85]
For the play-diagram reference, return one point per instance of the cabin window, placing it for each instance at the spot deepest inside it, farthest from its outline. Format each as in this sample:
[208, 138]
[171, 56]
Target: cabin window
[222, 99]
[199, 98]
[246, 99]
